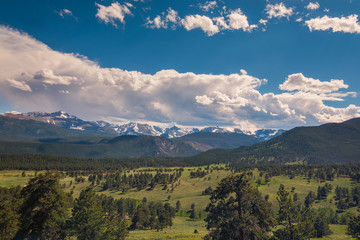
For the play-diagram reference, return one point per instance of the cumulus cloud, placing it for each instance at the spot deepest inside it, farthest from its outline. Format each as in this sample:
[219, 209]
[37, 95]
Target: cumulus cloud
[208, 5]
[205, 23]
[19, 85]
[299, 82]
[49, 80]
[163, 21]
[49, 77]
[278, 10]
[114, 12]
[234, 20]
[347, 24]
[204, 100]
[66, 12]
[312, 6]
[238, 20]
[263, 21]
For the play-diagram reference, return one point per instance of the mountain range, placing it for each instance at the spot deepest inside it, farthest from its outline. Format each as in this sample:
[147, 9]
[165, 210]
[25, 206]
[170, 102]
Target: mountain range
[65, 135]
[103, 128]
[331, 143]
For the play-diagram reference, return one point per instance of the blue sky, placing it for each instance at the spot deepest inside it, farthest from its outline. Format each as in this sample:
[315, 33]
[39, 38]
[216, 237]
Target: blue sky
[241, 63]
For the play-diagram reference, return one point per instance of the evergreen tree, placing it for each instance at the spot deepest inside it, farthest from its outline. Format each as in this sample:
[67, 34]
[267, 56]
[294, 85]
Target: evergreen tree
[178, 205]
[90, 221]
[309, 199]
[353, 227]
[237, 211]
[321, 226]
[44, 207]
[141, 219]
[294, 225]
[192, 212]
[9, 218]
[116, 228]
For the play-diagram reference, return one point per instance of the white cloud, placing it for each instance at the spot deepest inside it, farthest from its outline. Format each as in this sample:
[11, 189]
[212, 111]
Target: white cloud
[66, 12]
[114, 12]
[49, 77]
[172, 16]
[263, 21]
[234, 20]
[312, 6]
[299, 82]
[204, 100]
[205, 23]
[221, 22]
[208, 5]
[238, 20]
[347, 24]
[19, 85]
[51, 80]
[163, 21]
[278, 10]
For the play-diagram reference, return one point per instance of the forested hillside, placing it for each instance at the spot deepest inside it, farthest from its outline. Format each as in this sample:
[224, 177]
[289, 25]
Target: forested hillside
[328, 143]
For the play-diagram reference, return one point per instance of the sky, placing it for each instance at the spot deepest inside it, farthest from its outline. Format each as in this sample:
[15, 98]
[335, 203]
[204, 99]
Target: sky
[242, 63]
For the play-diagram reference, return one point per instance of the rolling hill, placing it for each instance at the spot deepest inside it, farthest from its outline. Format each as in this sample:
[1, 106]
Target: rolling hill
[328, 143]
[16, 129]
[119, 147]
[204, 141]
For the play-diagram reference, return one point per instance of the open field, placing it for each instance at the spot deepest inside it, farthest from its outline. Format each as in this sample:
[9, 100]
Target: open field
[189, 191]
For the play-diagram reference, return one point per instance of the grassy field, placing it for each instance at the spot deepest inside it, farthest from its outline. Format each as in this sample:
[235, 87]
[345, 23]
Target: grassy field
[190, 191]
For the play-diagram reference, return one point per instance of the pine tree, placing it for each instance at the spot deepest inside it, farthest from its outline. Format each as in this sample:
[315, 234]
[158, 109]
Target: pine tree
[178, 205]
[321, 227]
[295, 225]
[237, 211]
[88, 221]
[192, 212]
[44, 207]
[9, 218]
[353, 227]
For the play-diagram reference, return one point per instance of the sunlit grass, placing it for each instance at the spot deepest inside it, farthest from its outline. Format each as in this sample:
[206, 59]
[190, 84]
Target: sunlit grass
[190, 191]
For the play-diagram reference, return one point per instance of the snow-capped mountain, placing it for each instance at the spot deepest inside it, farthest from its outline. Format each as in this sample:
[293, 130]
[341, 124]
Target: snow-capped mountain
[65, 120]
[266, 134]
[138, 129]
[175, 131]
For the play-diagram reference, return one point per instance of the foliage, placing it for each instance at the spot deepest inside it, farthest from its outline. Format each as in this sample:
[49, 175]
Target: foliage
[9, 218]
[44, 207]
[122, 181]
[328, 143]
[294, 225]
[153, 216]
[353, 228]
[198, 173]
[237, 211]
[90, 221]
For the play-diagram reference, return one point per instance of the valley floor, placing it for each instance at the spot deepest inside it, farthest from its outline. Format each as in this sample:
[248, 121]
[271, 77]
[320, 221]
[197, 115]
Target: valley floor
[190, 192]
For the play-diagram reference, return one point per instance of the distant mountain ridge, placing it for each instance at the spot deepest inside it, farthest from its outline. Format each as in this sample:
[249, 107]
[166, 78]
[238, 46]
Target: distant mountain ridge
[24, 134]
[203, 141]
[118, 147]
[70, 122]
[326, 144]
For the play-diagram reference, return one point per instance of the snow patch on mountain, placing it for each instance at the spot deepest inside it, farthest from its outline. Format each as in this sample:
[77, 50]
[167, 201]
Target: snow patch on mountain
[65, 120]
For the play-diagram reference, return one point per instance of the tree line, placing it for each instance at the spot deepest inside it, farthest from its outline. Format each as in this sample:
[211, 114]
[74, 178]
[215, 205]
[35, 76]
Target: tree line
[40, 210]
[238, 211]
[123, 181]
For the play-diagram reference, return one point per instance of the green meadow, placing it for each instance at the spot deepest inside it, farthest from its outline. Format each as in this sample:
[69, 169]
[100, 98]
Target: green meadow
[189, 191]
